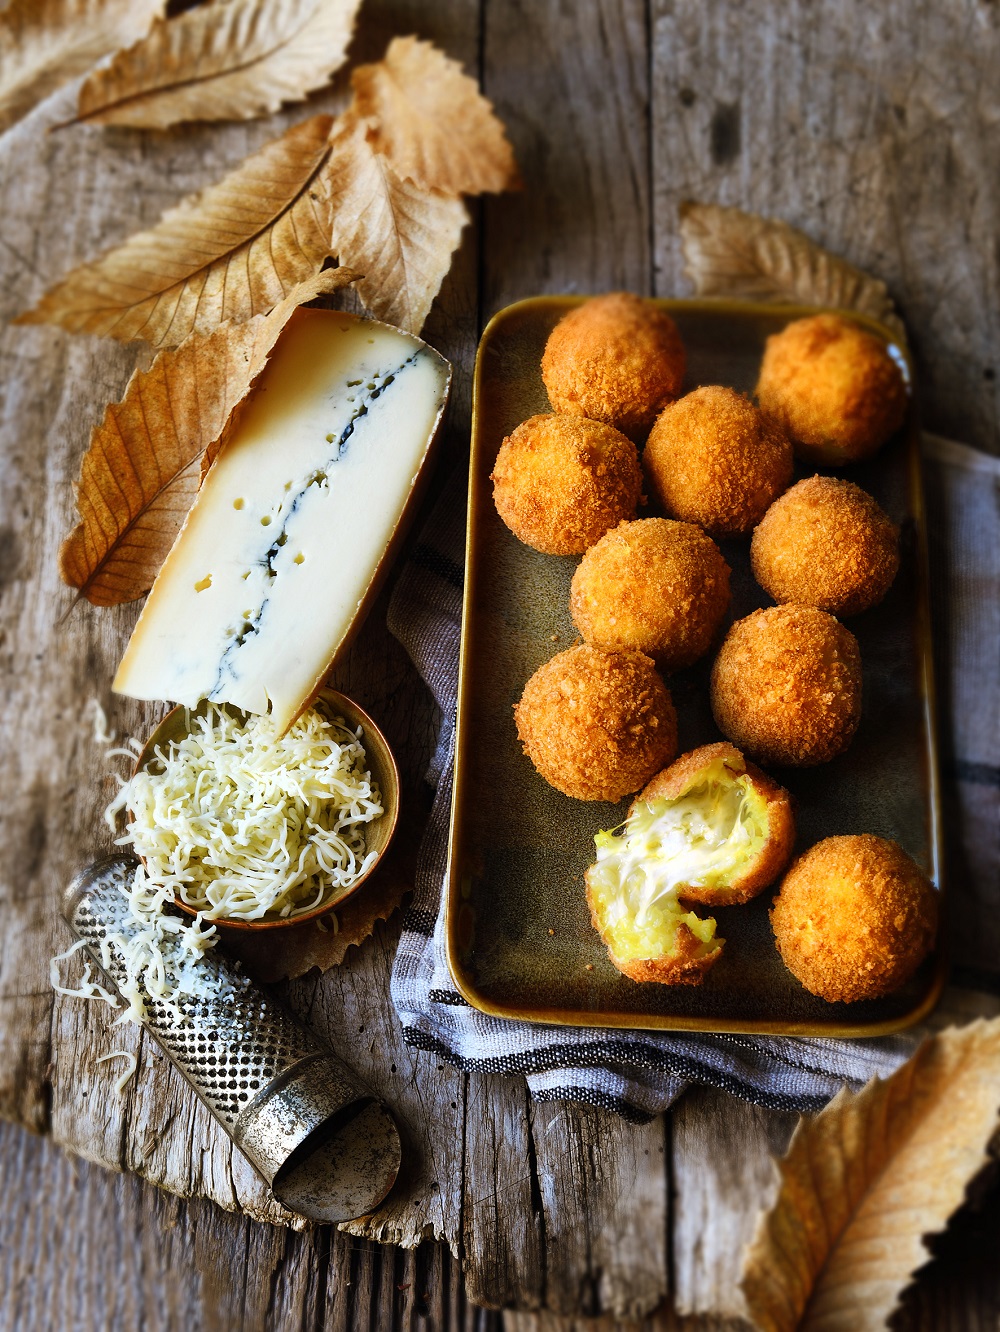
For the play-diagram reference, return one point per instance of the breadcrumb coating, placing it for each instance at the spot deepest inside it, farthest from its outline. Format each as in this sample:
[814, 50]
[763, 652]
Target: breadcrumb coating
[686, 965]
[655, 585]
[560, 482]
[827, 543]
[854, 918]
[833, 387]
[764, 867]
[714, 460]
[786, 686]
[617, 359]
[597, 725]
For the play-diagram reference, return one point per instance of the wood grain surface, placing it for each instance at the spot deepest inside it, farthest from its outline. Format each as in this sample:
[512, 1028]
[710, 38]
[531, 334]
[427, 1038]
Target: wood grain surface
[874, 128]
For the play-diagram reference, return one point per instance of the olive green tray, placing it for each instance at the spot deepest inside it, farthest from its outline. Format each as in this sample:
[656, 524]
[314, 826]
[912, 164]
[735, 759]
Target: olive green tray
[520, 941]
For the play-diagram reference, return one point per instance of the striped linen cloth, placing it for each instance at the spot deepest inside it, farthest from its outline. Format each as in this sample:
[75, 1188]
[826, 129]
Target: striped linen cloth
[638, 1074]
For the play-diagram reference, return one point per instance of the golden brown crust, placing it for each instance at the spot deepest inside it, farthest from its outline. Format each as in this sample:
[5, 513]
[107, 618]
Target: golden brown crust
[560, 482]
[597, 725]
[854, 918]
[826, 543]
[683, 967]
[713, 459]
[686, 771]
[786, 686]
[654, 585]
[776, 852]
[833, 387]
[615, 358]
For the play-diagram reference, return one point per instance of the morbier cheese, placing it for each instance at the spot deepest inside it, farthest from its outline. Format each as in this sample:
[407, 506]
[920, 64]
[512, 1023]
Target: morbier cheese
[281, 550]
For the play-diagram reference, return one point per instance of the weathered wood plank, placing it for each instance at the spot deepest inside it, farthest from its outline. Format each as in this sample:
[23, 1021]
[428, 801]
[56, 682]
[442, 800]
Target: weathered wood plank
[584, 1193]
[867, 129]
[603, 1185]
[571, 84]
[723, 1174]
[55, 389]
[86, 1250]
[503, 1230]
[83, 1249]
[350, 1007]
[873, 129]
[663, 1320]
[76, 192]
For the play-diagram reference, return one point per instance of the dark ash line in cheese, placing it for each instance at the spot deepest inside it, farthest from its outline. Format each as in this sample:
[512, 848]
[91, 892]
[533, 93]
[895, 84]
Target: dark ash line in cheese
[249, 626]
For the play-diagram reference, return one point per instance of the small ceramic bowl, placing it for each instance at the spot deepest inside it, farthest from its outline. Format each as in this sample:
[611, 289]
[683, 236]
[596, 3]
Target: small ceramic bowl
[378, 834]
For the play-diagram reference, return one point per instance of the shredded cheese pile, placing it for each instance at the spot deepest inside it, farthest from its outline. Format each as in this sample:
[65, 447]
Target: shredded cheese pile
[237, 821]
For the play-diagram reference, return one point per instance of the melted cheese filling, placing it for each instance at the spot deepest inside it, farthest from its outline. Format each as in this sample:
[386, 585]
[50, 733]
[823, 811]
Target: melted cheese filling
[700, 839]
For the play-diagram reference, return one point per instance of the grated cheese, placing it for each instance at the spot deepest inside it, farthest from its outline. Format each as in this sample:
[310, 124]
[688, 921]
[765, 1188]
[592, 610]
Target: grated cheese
[161, 952]
[242, 822]
[102, 735]
[124, 1078]
[87, 988]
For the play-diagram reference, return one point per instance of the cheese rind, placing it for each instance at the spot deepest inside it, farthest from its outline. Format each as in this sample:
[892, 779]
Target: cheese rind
[285, 538]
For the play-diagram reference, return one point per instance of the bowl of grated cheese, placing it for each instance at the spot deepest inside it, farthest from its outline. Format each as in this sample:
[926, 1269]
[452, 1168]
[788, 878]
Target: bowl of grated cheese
[254, 830]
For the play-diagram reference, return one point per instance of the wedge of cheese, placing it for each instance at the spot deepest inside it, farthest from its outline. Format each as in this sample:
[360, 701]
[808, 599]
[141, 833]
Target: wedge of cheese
[282, 549]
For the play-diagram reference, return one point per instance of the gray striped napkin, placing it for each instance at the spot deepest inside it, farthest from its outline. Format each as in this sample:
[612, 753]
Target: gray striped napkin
[638, 1074]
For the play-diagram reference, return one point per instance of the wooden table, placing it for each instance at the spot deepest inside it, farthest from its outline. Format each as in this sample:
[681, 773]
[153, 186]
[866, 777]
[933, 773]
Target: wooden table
[874, 128]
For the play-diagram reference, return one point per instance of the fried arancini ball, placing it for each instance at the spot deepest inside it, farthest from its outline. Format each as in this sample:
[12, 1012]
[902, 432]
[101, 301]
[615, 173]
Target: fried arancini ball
[827, 543]
[597, 725]
[560, 482]
[713, 459]
[615, 358]
[854, 918]
[833, 387]
[786, 686]
[655, 585]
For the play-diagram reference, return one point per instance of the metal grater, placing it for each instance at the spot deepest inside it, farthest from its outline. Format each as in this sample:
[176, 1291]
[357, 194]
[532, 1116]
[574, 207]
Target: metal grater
[324, 1143]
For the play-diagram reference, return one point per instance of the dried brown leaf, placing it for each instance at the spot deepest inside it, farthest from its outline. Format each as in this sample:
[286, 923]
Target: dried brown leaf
[431, 121]
[231, 252]
[731, 253]
[228, 60]
[866, 1179]
[141, 471]
[44, 43]
[398, 234]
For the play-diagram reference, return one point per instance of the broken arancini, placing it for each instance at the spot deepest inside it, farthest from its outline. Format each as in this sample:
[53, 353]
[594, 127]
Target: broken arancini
[713, 459]
[826, 543]
[854, 918]
[597, 725]
[833, 387]
[786, 686]
[713, 829]
[561, 482]
[615, 358]
[655, 585]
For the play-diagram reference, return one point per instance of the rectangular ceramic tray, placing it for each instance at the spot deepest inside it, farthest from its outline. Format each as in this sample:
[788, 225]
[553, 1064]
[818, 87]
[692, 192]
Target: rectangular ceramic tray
[520, 941]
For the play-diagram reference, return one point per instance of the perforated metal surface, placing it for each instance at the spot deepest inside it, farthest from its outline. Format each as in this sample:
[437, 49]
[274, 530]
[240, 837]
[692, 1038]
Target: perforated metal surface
[229, 1048]
[283, 1099]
